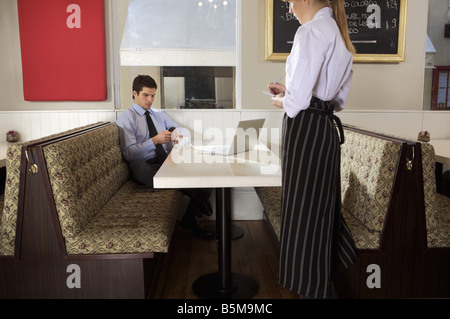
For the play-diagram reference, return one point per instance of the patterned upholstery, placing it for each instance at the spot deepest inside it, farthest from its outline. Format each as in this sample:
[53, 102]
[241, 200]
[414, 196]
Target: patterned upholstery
[2, 200]
[10, 206]
[12, 184]
[270, 198]
[100, 210]
[368, 168]
[437, 206]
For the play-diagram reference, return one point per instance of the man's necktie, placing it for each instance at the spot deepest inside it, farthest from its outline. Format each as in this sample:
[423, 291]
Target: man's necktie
[160, 152]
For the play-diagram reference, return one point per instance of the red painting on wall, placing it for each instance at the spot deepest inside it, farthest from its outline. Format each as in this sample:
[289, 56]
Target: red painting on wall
[63, 49]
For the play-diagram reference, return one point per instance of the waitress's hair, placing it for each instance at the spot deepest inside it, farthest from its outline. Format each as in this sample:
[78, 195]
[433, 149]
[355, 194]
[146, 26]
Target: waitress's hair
[341, 20]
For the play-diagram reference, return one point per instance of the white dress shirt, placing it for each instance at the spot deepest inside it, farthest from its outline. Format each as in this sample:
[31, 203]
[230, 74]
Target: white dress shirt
[319, 65]
[135, 141]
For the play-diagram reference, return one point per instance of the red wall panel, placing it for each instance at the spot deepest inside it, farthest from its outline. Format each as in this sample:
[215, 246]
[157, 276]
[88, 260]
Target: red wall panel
[63, 49]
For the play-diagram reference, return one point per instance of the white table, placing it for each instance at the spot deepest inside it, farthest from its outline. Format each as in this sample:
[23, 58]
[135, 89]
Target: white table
[186, 168]
[442, 150]
[442, 156]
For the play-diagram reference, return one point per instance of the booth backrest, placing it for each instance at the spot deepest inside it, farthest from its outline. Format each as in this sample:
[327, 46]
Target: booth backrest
[14, 161]
[437, 206]
[85, 171]
[368, 169]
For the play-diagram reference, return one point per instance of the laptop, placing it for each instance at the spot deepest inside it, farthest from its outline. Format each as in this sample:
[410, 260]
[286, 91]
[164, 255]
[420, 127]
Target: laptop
[245, 138]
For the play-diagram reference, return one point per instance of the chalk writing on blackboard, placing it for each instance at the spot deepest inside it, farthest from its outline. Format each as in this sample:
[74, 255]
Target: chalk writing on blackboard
[373, 25]
[284, 31]
[376, 28]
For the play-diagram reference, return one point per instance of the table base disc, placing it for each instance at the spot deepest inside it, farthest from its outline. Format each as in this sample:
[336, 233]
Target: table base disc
[242, 287]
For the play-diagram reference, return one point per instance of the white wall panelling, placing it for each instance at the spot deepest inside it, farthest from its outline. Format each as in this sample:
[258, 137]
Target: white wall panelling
[33, 125]
[404, 124]
[246, 205]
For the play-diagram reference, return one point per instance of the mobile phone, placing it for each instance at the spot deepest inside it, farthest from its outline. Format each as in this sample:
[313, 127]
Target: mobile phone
[171, 129]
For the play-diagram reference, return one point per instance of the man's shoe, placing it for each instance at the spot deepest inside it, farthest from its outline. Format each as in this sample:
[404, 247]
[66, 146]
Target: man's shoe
[202, 204]
[202, 233]
[205, 207]
[191, 223]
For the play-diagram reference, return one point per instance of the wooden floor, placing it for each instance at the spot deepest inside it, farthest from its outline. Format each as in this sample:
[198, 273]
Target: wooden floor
[253, 255]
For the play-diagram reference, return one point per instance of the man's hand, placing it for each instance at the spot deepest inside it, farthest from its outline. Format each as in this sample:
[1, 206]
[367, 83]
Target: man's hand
[163, 137]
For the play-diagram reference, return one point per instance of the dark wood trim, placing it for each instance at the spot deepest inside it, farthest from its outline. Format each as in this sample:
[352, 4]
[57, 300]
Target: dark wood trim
[111, 256]
[271, 232]
[70, 135]
[393, 139]
[64, 136]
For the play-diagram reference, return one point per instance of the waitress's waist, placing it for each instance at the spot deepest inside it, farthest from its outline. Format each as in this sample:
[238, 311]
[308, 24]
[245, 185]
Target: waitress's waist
[326, 108]
[318, 105]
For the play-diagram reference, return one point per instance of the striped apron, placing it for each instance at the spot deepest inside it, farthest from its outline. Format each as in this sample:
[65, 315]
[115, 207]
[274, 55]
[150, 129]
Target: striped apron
[314, 238]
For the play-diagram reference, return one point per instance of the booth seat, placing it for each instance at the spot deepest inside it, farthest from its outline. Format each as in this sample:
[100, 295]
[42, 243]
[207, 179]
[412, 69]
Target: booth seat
[80, 206]
[15, 161]
[397, 220]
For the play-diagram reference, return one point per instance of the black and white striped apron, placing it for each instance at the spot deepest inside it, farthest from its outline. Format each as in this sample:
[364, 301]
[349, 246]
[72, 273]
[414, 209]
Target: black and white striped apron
[314, 238]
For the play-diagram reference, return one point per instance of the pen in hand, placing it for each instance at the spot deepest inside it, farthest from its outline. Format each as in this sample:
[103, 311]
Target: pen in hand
[276, 81]
[270, 88]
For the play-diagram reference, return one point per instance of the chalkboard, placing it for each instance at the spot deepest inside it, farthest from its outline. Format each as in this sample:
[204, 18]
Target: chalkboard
[377, 29]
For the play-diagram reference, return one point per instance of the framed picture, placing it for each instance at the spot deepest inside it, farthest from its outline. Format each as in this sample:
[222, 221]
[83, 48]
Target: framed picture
[378, 32]
[441, 88]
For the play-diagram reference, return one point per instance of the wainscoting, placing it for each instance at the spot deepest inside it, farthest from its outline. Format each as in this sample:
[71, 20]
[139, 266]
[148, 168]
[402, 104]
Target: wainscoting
[33, 125]
[406, 124]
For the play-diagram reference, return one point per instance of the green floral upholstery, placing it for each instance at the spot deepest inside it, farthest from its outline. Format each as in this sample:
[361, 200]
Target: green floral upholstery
[363, 237]
[8, 219]
[100, 210]
[2, 201]
[368, 168]
[270, 198]
[10, 206]
[437, 206]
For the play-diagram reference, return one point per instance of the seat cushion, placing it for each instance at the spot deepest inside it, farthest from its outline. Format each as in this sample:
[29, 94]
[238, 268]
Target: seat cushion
[363, 237]
[133, 221]
[270, 198]
[438, 225]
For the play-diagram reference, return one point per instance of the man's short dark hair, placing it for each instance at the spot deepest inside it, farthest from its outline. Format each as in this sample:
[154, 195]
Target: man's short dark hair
[142, 81]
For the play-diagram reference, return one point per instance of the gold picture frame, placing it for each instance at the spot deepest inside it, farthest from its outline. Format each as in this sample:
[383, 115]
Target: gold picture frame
[273, 55]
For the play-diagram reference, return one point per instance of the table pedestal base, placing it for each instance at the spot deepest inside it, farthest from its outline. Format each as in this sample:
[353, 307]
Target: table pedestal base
[224, 283]
[208, 287]
[236, 231]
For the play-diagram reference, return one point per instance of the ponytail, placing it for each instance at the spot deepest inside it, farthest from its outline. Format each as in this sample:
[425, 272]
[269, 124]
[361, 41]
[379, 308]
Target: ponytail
[341, 20]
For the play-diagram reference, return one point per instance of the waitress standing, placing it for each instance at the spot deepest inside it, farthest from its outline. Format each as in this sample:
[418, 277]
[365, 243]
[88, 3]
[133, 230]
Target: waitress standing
[314, 238]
